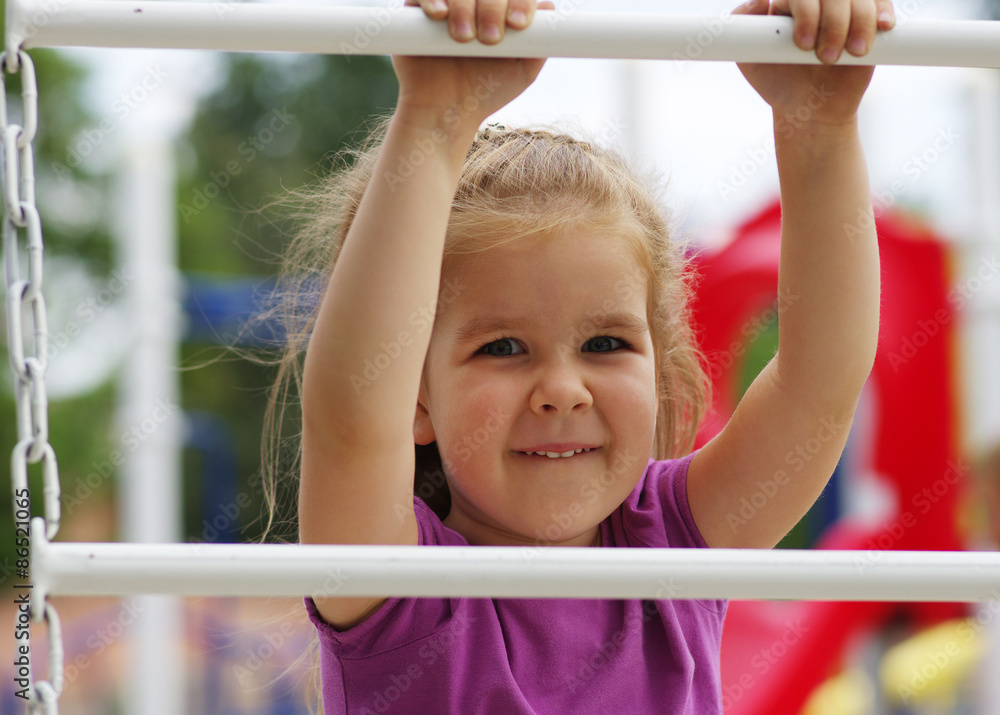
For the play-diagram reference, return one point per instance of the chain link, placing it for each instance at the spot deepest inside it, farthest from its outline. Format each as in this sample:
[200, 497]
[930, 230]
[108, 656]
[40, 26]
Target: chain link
[25, 297]
[45, 694]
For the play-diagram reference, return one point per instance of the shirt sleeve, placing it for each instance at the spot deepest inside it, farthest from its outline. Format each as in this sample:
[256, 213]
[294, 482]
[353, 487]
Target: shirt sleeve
[657, 513]
[398, 620]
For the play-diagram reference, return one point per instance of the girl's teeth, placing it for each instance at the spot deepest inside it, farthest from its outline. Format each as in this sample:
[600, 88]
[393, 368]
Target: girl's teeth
[556, 455]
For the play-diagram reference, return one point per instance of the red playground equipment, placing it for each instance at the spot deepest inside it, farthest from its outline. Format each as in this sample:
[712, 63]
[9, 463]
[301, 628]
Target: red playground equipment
[774, 654]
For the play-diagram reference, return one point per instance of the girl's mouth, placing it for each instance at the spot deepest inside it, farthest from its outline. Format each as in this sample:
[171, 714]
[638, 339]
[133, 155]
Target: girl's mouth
[560, 455]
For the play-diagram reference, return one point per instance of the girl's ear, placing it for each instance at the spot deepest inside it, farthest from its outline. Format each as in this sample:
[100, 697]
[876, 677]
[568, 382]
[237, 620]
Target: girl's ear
[423, 430]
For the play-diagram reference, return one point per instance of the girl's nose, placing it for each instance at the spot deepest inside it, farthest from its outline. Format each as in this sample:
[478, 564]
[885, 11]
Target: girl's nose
[560, 388]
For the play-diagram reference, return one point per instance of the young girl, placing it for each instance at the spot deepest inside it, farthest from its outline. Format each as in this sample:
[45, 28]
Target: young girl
[510, 302]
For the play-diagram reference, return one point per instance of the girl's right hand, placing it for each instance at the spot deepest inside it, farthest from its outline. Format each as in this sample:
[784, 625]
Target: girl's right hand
[457, 94]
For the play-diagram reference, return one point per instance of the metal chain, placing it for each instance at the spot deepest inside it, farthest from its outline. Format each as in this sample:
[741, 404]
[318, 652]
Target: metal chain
[29, 367]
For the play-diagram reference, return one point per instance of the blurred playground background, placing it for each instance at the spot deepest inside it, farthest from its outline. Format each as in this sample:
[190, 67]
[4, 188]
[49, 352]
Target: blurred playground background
[157, 422]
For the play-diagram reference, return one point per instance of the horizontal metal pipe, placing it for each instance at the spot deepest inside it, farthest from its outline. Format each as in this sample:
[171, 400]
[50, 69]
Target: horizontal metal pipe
[248, 27]
[511, 572]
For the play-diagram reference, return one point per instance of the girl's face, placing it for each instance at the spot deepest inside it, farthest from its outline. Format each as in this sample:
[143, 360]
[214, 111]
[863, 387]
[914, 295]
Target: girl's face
[545, 347]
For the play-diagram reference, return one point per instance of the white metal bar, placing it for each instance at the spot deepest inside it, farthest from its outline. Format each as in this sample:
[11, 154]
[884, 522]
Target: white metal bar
[84, 569]
[231, 26]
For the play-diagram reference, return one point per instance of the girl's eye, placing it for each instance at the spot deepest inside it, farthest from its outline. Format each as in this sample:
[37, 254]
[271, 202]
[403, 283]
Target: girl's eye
[604, 344]
[501, 347]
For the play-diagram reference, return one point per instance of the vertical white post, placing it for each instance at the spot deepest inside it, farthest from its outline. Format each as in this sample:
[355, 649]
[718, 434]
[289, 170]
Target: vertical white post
[630, 107]
[150, 419]
[982, 339]
[978, 270]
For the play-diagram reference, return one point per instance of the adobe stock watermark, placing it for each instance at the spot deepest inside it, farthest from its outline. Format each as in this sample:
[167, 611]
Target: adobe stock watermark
[428, 145]
[224, 8]
[127, 102]
[611, 129]
[919, 163]
[762, 662]
[470, 443]
[43, 13]
[87, 310]
[429, 654]
[131, 439]
[752, 329]
[421, 320]
[797, 459]
[928, 329]
[227, 515]
[937, 662]
[621, 464]
[586, 668]
[590, 491]
[476, 438]
[103, 638]
[335, 580]
[248, 149]
[741, 173]
[934, 664]
[262, 652]
[785, 128]
[596, 322]
[920, 504]
[906, 9]
[364, 34]
[6, 570]
[712, 28]
[790, 122]
[562, 11]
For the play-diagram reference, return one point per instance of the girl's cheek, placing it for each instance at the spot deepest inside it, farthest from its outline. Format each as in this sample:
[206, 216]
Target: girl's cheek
[489, 407]
[638, 389]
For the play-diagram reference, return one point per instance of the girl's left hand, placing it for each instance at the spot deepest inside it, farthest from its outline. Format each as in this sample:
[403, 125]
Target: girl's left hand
[820, 94]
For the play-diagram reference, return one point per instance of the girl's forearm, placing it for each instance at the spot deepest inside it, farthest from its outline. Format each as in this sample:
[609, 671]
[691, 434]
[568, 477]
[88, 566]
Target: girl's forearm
[829, 272]
[367, 350]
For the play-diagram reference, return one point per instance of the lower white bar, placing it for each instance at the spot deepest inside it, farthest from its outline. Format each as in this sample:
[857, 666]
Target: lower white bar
[512, 572]
[261, 27]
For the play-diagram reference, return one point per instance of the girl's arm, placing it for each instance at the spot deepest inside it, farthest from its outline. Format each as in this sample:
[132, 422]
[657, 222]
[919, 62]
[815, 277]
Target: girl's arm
[789, 430]
[357, 437]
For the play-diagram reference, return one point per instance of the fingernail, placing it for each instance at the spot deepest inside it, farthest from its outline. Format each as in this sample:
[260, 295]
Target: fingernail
[829, 55]
[858, 46]
[518, 18]
[464, 31]
[491, 33]
[440, 6]
[808, 41]
[885, 18]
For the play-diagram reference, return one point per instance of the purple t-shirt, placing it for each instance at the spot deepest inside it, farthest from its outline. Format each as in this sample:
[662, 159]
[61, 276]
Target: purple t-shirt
[538, 656]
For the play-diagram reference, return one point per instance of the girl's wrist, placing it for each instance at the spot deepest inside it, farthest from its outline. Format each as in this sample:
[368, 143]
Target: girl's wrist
[432, 137]
[454, 126]
[817, 134]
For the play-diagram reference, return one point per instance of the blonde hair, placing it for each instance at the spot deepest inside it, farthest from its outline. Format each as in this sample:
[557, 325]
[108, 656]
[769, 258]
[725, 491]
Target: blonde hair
[515, 183]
